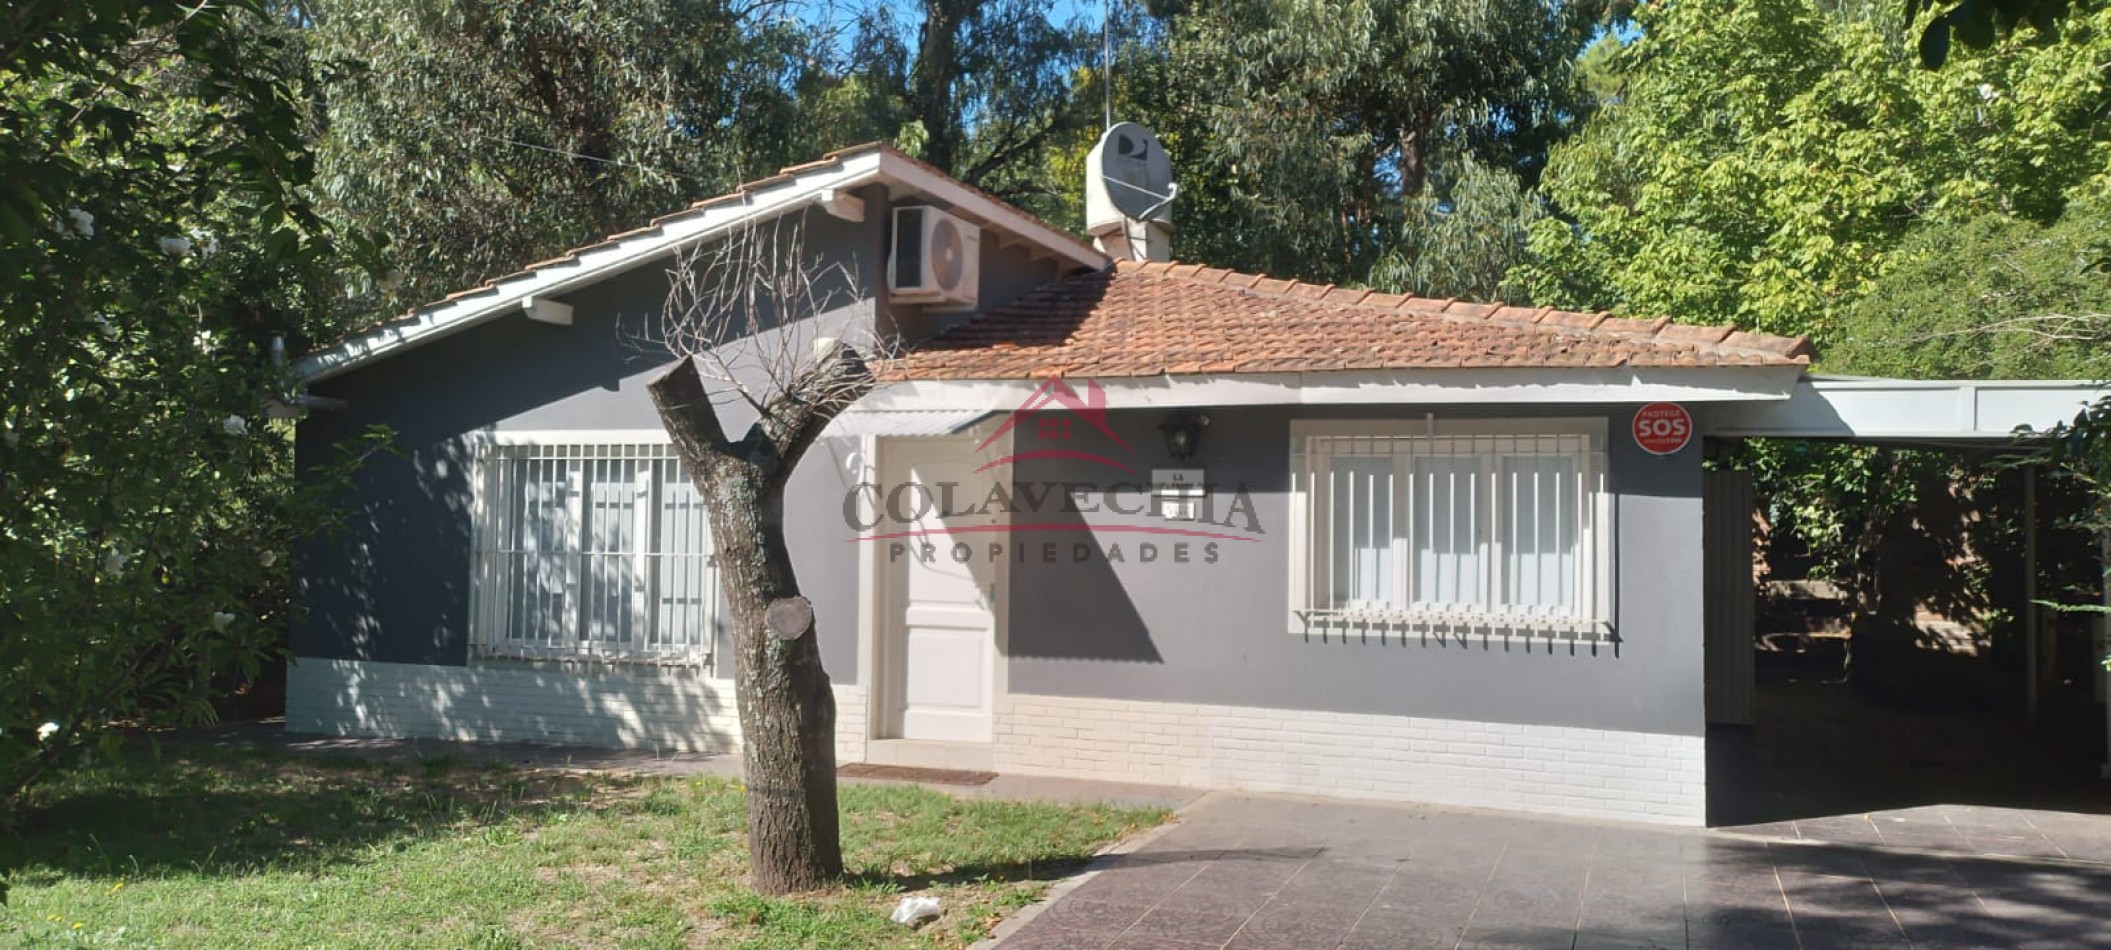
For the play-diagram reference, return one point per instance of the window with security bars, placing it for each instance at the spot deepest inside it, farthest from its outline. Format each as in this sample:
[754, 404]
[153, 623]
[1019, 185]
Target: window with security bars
[1462, 527]
[597, 551]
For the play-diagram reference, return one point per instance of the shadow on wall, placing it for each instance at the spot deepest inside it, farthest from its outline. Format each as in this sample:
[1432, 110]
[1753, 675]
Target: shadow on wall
[617, 705]
[1053, 561]
[393, 584]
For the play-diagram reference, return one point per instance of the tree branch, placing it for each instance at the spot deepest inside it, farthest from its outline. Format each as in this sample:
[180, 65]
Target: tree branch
[796, 417]
[686, 410]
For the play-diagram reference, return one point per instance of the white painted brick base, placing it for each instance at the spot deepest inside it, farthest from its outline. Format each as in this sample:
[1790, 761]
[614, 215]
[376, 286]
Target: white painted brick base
[633, 707]
[1551, 769]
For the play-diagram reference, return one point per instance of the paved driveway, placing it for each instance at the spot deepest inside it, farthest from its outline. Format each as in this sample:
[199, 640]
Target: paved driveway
[1250, 871]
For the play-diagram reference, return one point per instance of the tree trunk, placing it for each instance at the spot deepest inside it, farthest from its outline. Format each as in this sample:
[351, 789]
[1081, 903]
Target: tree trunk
[787, 711]
[931, 79]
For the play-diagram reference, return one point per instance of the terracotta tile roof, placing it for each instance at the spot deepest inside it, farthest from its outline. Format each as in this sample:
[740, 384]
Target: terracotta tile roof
[1149, 319]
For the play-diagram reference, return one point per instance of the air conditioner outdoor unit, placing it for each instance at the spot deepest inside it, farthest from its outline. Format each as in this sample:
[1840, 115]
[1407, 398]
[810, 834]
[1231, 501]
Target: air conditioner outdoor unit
[937, 258]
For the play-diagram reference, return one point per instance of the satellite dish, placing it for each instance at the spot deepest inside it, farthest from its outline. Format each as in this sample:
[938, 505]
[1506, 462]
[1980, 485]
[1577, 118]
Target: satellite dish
[1130, 171]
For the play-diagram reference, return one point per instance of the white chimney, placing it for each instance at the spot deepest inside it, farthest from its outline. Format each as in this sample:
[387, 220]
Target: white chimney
[1129, 194]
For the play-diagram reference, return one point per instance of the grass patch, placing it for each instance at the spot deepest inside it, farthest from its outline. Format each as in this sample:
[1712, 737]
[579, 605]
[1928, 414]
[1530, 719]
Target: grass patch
[215, 848]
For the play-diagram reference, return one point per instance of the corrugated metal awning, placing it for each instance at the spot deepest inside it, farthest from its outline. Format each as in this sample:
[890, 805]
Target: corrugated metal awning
[905, 422]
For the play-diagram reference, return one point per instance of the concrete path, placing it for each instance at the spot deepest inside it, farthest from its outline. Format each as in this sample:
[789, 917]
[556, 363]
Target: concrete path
[1255, 871]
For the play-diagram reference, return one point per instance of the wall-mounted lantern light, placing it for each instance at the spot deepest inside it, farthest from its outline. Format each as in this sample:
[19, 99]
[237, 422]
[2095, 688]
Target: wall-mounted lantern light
[1183, 434]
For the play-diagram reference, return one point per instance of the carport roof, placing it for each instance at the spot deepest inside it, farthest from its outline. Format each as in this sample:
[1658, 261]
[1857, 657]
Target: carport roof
[1931, 413]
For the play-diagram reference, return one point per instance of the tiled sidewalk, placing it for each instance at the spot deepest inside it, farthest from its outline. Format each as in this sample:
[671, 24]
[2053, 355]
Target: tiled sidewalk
[1958, 829]
[1249, 871]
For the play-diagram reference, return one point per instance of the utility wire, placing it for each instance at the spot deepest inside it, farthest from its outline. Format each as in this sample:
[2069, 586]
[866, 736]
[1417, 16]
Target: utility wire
[1106, 55]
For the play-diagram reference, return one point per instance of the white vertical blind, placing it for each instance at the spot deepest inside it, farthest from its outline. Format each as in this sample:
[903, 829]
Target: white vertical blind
[1490, 530]
[1363, 530]
[1448, 544]
[592, 550]
[1541, 496]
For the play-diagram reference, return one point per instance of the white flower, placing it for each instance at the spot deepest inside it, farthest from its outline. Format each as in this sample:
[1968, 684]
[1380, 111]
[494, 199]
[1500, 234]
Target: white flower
[105, 327]
[268, 558]
[176, 246]
[1987, 92]
[235, 425]
[114, 563]
[222, 620]
[46, 731]
[204, 341]
[80, 222]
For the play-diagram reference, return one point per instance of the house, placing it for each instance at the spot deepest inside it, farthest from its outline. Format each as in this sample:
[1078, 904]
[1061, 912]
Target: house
[1134, 520]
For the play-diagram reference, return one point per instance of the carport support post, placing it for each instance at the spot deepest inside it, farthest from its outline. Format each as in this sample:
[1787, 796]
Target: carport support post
[2103, 643]
[2030, 591]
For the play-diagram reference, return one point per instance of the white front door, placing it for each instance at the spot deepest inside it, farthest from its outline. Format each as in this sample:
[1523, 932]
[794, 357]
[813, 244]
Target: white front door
[942, 621]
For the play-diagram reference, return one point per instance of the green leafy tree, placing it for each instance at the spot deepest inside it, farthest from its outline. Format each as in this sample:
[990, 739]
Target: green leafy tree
[1461, 236]
[468, 138]
[1765, 159]
[1782, 165]
[151, 161]
[1995, 297]
[984, 89]
[1306, 133]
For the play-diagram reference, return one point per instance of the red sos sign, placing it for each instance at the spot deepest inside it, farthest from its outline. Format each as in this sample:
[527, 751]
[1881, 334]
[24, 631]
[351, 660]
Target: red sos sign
[1662, 428]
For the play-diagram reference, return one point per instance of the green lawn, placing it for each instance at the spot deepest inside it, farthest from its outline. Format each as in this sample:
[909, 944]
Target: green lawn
[222, 849]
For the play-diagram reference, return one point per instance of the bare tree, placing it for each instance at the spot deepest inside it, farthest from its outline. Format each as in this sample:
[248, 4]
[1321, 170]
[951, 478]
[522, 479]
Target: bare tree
[750, 315]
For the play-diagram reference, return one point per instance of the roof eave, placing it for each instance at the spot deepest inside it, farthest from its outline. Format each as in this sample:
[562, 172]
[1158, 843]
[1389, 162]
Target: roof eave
[600, 263]
[791, 190]
[1419, 387]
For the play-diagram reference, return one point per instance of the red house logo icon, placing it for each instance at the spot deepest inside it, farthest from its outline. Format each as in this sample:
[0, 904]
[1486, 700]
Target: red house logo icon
[1044, 411]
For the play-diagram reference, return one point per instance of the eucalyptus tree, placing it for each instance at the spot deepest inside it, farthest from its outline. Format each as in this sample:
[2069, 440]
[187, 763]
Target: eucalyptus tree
[986, 90]
[1305, 131]
[467, 138]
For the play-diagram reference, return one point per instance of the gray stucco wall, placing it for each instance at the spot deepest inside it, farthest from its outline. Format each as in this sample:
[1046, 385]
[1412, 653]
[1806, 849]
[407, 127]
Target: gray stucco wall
[395, 585]
[1216, 632]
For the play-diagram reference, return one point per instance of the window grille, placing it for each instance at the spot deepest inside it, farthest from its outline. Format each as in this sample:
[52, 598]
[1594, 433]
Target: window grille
[1480, 532]
[593, 551]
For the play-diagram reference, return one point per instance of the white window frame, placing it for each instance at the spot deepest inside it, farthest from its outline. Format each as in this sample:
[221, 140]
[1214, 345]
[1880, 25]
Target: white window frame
[1313, 443]
[489, 596]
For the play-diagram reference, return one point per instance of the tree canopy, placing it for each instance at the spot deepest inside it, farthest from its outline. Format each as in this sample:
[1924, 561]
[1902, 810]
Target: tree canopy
[466, 139]
[1309, 135]
[1765, 159]
[157, 238]
[182, 185]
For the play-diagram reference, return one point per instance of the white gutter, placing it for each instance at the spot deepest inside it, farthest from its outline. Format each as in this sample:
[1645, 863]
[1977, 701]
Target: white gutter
[1390, 387]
